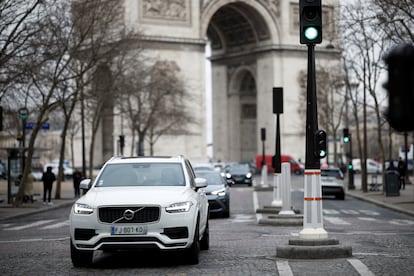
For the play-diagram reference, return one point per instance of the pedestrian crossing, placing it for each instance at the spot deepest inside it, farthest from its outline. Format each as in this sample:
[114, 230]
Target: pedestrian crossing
[38, 225]
[348, 216]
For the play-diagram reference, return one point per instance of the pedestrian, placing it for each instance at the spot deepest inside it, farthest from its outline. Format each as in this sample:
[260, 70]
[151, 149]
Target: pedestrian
[28, 188]
[77, 178]
[48, 178]
[402, 170]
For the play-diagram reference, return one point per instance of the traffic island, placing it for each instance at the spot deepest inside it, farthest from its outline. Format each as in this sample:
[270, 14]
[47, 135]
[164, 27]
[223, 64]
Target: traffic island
[281, 220]
[313, 249]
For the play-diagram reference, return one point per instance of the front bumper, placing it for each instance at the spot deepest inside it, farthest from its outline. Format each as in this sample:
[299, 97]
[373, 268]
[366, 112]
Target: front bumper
[171, 232]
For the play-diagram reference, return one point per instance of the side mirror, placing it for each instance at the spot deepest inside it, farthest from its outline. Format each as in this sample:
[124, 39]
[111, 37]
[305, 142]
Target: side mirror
[200, 183]
[85, 184]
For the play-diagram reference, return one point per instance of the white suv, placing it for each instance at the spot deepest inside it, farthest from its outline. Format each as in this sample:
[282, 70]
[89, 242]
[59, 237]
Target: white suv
[140, 203]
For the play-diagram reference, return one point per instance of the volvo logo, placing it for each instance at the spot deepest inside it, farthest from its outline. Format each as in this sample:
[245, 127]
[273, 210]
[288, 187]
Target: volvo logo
[129, 214]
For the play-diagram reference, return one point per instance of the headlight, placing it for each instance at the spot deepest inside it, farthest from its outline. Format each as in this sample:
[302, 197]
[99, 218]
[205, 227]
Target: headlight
[228, 175]
[221, 192]
[83, 209]
[248, 175]
[179, 207]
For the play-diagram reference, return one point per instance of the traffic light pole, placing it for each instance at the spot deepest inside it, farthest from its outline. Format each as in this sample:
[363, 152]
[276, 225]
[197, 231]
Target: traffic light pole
[313, 216]
[351, 185]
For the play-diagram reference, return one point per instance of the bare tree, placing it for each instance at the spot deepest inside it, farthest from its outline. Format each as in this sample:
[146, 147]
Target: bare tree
[363, 50]
[154, 100]
[396, 19]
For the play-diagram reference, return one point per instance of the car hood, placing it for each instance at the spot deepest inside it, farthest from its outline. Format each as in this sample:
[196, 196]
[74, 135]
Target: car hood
[163, 196]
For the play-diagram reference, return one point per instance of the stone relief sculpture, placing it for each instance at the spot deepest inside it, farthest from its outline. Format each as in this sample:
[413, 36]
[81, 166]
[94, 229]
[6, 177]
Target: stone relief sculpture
[165, 9]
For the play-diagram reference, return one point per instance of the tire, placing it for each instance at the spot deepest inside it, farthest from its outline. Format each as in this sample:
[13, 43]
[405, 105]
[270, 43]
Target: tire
[192, 253]
[205, 240]
[80, 258]
[226, 213]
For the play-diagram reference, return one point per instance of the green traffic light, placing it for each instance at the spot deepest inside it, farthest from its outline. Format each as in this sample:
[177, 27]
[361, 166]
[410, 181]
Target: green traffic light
[322, 153]
[346, 139]
[350, 166]
[311, 33]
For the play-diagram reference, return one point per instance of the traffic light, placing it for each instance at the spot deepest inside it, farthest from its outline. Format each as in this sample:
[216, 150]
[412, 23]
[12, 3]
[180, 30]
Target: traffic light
[320, 144]
[310, 14]
[350, 166]
[400, 87]
[346, 137]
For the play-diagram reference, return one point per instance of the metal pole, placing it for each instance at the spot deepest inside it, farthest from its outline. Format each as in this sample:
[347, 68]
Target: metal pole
[311, 162]
[313, 215]
[351, 185]
[83, 134]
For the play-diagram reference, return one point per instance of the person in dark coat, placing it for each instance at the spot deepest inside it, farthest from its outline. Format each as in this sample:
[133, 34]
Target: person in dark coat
[48, 178]
[77, 178]
[402, 170]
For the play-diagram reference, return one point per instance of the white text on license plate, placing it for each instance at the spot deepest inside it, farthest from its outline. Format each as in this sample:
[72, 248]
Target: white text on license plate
[129, 230]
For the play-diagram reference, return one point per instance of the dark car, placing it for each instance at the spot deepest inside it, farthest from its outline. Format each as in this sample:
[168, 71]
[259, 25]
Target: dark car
[239, 174]
[217, 191]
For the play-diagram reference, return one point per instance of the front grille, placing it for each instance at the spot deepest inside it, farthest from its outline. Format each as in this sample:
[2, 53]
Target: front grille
[142, 214]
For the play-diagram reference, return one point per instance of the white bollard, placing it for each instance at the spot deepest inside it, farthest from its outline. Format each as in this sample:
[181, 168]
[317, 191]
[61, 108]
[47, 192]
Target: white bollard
[277, 201]
[285, 191]
[313, 216]
[263, 181]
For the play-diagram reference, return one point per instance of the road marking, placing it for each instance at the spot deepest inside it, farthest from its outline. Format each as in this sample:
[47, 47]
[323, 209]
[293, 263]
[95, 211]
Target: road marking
[34, 224]
[242, 218]
[330, 212]
[350, 212]
[283, 268]
[36, 240]
[401, 222]
[336, 220]
[56, 225]
[360, 267]
[259, 216]
[367, 218]
[369, 213]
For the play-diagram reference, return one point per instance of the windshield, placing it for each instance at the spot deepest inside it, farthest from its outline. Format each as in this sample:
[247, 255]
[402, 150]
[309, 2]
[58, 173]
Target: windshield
[212, 178]
[239, 169]
[142, 174]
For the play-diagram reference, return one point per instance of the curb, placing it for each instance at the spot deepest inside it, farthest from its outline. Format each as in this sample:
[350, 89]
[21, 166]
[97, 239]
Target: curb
[382, 204]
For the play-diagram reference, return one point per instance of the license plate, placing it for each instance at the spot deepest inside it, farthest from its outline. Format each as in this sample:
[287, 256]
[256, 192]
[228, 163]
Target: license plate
[129, 230]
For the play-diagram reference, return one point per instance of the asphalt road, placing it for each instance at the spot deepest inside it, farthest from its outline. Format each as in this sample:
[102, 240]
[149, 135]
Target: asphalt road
[382, 243]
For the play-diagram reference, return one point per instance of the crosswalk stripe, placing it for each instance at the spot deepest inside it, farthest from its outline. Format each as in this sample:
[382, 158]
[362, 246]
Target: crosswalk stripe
[55, 225]
[336, 220]
[360, 267]
[25, 226]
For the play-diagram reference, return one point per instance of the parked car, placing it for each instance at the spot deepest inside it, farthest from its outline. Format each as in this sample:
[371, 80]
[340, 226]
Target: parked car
[373, 167]
[141, 203]
[332, 182]
[239, 174]
[217, 191]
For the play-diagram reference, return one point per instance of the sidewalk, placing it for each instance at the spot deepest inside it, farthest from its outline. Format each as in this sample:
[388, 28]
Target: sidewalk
[403, 203]
[7, 211]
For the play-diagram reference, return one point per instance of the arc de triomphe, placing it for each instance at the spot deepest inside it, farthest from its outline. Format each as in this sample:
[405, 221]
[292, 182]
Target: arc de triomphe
[254, 47]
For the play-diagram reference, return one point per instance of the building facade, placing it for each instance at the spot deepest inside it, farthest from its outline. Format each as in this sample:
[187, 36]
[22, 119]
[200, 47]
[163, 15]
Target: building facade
[254, 46]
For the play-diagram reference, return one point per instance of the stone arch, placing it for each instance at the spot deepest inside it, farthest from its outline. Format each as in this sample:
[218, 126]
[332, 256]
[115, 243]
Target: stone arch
[257, 8]
[240, 33]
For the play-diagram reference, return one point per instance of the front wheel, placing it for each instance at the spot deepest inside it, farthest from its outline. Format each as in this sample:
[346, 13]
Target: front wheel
[192, 253]
[80, 258]
[205, 240]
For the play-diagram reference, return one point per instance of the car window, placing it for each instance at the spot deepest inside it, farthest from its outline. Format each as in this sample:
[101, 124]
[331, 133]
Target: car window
[141, 174]
[239, 169]
[212, 178]
[333, 173]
